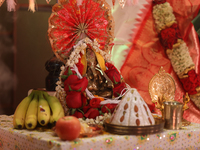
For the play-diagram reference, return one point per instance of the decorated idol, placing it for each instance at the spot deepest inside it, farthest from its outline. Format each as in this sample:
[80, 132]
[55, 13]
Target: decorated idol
[89, 85]
[83, 41]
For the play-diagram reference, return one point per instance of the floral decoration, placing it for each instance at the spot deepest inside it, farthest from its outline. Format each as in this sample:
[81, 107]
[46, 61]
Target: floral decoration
[113, 73]
[79, 49]
[191, 82]
[72, 88]
[170, 36]
[108, 108]
[158, 2]
[176, 48]
[119, 89]
[77, 102]
[162, 14]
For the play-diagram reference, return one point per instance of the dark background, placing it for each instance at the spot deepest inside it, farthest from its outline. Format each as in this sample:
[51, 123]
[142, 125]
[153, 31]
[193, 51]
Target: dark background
[24, 49]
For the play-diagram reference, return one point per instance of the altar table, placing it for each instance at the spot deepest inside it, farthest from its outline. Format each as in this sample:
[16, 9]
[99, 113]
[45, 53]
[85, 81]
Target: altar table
[40, 139]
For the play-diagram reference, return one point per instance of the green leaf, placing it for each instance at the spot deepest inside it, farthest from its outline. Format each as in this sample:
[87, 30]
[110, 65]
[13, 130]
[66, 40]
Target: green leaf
[69, 72]
[64, 77]
[73, 111]
[118, 94]
[100, 112]
[108, 109]
[81, 111]
[70, 89]
[115, 81]
[79, 89]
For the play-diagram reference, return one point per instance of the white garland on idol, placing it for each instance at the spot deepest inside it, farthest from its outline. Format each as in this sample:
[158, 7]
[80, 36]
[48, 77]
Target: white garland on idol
[80, 48]
[179, 55]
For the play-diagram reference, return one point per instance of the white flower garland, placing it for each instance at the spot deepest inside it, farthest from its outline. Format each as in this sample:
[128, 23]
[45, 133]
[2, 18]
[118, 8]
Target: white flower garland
[80, 48]
[179, 55]
[180, 58]
[163, 15]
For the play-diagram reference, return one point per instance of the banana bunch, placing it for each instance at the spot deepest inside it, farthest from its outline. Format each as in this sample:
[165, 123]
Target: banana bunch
[38, 107]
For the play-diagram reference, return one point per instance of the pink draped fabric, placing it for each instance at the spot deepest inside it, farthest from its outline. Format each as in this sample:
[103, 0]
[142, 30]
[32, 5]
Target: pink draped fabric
[147, 55]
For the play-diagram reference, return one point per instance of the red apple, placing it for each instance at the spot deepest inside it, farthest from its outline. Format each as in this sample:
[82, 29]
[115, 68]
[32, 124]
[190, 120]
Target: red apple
[68, 128]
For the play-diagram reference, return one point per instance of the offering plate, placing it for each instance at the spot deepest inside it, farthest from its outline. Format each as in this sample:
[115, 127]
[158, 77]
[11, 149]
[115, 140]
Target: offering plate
[96, 130]
[134, 130]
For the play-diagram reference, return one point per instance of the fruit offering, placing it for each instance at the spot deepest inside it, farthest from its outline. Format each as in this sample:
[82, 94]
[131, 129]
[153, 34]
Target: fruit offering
[38, 107]
[68, 128]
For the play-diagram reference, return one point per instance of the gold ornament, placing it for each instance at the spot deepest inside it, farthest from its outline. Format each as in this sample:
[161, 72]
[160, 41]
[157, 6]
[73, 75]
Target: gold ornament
[186, 99]
[162, 88]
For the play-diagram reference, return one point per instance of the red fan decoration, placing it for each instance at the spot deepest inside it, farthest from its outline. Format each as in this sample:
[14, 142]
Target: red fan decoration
[70, 22]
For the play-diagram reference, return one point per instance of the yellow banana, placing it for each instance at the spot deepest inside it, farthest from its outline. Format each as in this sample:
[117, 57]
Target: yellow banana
[20, 111]
[31, 115]
[56, 108]
[43, 110]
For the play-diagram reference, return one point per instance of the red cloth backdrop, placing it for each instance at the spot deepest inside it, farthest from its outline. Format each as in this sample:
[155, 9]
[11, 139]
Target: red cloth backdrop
[147, 55]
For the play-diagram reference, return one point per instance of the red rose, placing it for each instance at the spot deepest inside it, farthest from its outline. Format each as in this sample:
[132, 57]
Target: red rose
[188, 86]
[92, 113]
[193, 77]
[75, 99]
[110, 66]
[113, 73]
[118, 89]
[169, 36]
[108, 108]
[86, 108]
[80, 66]
[170, 42]
[78, 114]
[75, 84]
[84, 99]
[178, 33]
[95, 102]
[192, 91]
[157, 2]
[69, 71]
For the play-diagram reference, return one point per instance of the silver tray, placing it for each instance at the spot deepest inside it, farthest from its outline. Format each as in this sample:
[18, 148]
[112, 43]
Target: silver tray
[134, 130]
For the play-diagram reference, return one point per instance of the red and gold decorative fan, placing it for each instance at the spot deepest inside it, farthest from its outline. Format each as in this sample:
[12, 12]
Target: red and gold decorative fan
[70, 22]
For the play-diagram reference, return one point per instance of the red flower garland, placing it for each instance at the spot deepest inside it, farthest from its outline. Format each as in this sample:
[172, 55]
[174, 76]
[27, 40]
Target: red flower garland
[156, 2]
[76, 100]
[168, 38]
[191, 82]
